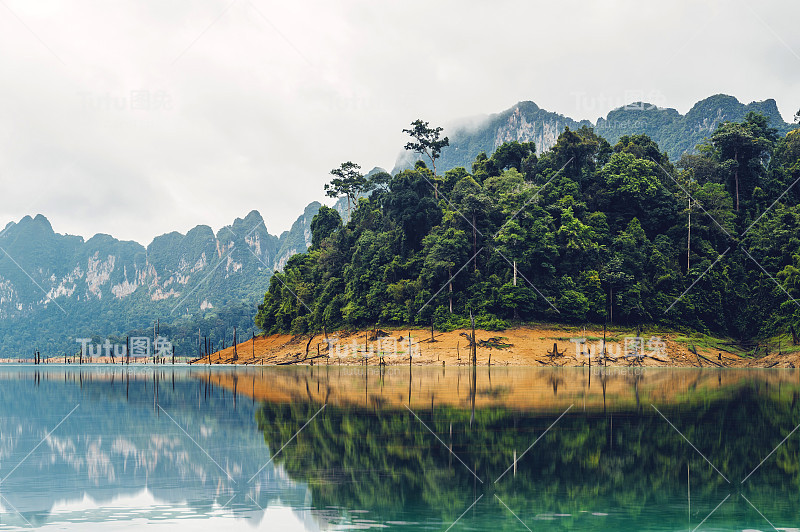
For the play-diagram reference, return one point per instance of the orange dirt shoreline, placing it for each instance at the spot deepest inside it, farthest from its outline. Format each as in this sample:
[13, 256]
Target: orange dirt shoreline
[518, 346]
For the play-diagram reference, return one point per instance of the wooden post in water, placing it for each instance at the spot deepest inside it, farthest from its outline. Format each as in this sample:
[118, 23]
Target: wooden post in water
[515, 462]
[605, 356]
[689, 238]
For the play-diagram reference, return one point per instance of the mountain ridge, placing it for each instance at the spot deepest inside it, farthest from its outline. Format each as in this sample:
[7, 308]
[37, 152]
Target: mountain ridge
[57, 287]
[525, 121]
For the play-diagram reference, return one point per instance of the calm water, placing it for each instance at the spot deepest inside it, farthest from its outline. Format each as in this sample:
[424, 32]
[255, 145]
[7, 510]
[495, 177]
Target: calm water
[331, 448]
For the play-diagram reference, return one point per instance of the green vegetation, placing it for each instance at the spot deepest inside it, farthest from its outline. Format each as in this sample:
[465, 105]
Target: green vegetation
[587, 232]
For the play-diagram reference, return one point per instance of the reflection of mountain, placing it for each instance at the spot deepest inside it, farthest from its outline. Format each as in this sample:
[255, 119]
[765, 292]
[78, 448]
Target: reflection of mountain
[364, 460]
[119, 443]
[629, 462]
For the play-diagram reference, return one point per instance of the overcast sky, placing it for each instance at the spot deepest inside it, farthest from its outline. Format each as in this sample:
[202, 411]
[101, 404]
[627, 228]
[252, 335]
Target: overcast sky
[142, 117]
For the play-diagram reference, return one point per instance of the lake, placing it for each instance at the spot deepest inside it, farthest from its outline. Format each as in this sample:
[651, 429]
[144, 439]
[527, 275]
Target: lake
[356, 448]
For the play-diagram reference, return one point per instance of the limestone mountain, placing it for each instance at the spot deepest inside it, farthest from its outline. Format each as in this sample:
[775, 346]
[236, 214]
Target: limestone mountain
[673, 132]
[524, 122]
[678, 134]
[55, 288]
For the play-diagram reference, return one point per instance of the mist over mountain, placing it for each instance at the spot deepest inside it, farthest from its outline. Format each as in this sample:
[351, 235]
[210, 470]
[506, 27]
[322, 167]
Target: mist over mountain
[675, 133]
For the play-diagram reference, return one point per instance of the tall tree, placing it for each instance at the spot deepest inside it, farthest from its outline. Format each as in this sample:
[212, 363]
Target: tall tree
[427, 142]
[348, 181]
[742, 144]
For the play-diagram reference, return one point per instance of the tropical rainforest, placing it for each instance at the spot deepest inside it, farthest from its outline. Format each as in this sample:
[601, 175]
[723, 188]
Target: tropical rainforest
[586, 232]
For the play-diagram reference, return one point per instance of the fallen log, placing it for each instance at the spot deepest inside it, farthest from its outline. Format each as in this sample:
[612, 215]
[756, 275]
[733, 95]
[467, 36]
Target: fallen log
[693, 349]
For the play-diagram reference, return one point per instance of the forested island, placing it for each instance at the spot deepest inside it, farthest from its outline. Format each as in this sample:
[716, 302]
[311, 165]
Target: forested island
[583, 233]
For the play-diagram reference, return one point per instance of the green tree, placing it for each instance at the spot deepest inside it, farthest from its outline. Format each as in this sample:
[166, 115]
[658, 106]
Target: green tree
[412, 207]
[348, 181]
[743, 148]
[326, 222]
[445, 249]
[512, 154]
[576, 241]
[616, 279]
[427, 142]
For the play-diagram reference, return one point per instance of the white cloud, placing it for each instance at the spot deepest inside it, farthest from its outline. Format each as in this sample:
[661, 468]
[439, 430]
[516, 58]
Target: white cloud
[264, 99]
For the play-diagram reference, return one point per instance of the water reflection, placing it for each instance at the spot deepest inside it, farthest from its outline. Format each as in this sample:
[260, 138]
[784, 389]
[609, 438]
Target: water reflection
[319, 448]
[134, 433]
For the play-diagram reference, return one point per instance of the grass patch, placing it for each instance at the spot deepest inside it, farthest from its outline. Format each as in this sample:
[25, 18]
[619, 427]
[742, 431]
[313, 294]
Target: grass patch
[495, 342]
[703, 341]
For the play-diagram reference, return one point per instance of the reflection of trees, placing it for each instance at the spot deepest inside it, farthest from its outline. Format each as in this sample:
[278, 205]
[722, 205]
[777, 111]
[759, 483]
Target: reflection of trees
[387, 462]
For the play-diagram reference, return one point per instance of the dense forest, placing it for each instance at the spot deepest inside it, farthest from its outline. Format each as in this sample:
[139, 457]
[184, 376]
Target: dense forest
[584, 232]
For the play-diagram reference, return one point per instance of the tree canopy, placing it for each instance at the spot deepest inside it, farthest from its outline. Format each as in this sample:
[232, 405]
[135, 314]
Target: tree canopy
[585, 232]
[348, 181]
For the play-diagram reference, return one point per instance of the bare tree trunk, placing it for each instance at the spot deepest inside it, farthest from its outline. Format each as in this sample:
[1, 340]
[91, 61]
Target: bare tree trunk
[689, 240]
[736, 177]
[449, 274]
[474, 242]
[611, 318]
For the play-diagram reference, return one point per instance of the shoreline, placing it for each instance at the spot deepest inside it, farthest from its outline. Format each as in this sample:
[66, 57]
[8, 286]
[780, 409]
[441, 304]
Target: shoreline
[529, 345]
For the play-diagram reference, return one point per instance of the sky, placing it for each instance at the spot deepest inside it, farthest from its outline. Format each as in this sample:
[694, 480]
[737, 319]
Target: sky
[137, 118]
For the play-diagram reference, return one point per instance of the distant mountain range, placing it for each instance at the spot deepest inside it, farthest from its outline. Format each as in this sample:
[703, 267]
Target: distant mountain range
[55, 288]
[675, 133]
